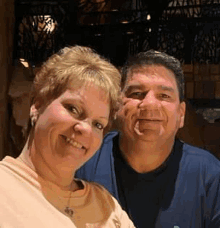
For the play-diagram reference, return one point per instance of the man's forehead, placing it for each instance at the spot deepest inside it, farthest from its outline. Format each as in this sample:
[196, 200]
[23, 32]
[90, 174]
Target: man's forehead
[138, 85]
[149, 71]
[163, 79]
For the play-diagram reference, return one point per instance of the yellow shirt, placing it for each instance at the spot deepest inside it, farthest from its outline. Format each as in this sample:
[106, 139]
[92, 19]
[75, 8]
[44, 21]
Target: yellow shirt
[28, 201]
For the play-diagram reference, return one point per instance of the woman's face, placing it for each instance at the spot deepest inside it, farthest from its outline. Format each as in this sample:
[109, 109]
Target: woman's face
[69, 130]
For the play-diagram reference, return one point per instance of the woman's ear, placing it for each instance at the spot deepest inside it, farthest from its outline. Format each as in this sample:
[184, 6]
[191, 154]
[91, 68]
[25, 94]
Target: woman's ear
[34, 112]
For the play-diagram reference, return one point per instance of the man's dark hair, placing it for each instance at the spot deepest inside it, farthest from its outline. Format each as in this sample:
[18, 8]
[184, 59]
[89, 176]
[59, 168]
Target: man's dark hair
[152, 57]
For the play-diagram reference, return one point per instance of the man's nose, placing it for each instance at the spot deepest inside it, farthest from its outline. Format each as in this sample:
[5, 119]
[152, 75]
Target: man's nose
[150, 100]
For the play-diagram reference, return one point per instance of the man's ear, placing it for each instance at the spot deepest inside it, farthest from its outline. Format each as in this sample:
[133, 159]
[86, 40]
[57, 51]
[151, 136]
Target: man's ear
[182, 113]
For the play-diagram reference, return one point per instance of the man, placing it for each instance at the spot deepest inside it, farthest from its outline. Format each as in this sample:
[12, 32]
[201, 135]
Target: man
[159, 180]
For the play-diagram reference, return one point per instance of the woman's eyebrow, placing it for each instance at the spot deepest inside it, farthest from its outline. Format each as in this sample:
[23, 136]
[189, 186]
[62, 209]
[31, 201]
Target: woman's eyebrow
[103, 117]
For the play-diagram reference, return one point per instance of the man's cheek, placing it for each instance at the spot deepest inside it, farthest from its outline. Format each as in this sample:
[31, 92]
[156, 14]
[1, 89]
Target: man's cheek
[128, 110]
[125, 100]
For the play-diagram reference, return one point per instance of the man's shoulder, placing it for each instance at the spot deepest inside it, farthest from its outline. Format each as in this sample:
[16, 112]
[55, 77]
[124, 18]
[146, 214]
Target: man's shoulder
[108, 142]
[101, 160]
[107, 145]
[109, 137]
[200, 156]
[199, 152]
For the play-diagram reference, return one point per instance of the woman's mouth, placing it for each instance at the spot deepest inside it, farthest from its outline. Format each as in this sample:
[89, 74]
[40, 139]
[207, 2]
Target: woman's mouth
[73, 142]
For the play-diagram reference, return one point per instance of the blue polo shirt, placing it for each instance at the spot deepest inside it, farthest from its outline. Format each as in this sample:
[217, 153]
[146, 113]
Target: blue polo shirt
[184, 192]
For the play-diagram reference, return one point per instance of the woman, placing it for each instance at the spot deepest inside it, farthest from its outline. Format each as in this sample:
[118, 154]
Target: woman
[75, 96]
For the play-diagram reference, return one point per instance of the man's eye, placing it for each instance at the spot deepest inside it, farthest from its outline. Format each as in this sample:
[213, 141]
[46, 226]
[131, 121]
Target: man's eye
[136, 95]
[163, 95]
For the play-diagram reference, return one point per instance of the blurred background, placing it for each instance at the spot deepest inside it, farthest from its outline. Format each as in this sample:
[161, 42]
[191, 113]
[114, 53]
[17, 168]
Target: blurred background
[32, 30]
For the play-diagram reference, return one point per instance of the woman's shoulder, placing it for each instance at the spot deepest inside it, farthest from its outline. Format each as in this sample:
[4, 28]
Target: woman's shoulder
[7, 166]
[97, 189]
[101, 194]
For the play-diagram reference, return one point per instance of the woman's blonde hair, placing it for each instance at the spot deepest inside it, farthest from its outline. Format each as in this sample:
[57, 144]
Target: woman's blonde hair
[74, 67]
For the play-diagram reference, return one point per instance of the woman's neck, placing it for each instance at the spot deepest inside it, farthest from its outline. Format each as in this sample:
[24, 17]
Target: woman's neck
[63, 179]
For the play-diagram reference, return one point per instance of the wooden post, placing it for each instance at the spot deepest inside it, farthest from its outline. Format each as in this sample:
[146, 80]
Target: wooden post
[6, 50]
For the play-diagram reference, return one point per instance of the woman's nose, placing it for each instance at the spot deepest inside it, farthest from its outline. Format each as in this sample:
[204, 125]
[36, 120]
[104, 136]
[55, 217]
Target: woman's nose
[83, 127]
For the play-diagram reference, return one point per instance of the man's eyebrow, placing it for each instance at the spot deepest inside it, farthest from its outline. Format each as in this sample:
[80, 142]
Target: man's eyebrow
[131, 87]
[166, 88]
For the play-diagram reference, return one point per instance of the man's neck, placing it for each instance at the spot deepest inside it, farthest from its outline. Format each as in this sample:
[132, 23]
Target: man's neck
[144, 156]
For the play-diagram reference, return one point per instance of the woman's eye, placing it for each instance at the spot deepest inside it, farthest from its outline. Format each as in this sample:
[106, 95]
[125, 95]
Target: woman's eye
[72, 109]
[99, 126]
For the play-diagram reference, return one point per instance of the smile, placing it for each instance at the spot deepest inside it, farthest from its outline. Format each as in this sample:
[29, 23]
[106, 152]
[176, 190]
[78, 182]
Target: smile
[150, 120]
[73, 142]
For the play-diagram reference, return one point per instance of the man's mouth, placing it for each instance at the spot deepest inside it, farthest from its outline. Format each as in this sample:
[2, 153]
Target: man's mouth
[142, 126]
[151, 120]
[73, 142]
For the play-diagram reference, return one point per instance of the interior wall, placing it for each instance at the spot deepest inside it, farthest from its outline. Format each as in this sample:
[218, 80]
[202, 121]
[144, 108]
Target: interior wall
[6, 50]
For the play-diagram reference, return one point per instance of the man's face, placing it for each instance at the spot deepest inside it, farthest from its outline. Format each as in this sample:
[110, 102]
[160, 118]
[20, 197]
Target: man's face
[151, 108]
